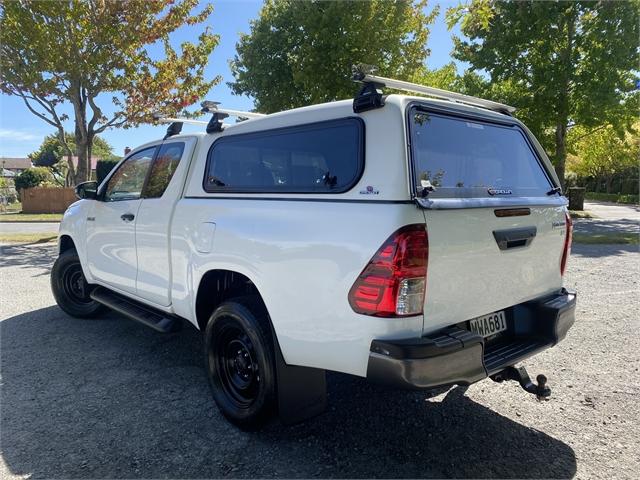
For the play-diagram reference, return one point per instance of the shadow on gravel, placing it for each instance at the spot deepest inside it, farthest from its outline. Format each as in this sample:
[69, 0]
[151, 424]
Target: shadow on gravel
[606, 226]
[602, 250]
[28, 255]
[108, 398]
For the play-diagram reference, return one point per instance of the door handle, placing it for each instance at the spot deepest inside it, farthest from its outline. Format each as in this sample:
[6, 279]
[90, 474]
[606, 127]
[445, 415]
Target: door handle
[127, 217]
[515, 237]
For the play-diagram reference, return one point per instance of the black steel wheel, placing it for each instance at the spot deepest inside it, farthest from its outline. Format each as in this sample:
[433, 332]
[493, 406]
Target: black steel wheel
[240, 362]
[70, 287]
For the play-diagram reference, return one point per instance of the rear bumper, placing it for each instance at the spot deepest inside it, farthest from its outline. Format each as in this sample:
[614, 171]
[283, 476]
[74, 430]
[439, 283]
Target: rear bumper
[456, 356]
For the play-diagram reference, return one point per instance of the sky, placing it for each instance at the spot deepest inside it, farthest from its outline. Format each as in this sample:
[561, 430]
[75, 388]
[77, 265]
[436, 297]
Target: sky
[22, 133]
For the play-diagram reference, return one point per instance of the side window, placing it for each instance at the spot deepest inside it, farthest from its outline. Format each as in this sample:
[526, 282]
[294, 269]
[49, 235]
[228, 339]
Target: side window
[163, 168]
[326, 157]
[127, 182]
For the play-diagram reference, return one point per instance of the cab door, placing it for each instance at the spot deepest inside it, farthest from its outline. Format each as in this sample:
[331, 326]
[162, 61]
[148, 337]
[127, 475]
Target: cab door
[111, 242]
[153, 224]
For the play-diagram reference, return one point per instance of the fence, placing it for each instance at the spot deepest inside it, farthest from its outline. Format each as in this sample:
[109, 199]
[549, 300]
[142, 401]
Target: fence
[47, 200]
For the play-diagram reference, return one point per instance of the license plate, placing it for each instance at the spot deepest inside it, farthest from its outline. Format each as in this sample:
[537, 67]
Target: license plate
[488, 325]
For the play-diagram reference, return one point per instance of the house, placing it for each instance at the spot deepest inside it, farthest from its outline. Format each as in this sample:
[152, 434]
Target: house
[14, 165]
[94, 162]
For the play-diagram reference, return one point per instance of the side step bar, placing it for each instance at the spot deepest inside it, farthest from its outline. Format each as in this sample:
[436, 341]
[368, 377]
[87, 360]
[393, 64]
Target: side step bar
[148, 316]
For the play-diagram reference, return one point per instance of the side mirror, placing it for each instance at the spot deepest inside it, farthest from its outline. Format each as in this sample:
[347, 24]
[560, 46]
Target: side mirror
[87, 190]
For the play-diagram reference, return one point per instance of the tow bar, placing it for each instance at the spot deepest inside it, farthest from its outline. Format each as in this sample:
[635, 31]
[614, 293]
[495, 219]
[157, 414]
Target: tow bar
[541, 391]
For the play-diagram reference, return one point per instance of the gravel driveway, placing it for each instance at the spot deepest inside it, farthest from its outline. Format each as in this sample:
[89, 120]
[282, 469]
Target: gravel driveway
[108, 398]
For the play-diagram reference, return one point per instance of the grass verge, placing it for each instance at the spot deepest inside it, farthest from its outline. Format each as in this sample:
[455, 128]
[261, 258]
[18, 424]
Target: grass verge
[581, 214]
[28, 237]
[607, 238]
[30, 217]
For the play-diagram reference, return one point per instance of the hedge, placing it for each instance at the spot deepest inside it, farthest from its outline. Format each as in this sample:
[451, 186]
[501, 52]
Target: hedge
[612, 197]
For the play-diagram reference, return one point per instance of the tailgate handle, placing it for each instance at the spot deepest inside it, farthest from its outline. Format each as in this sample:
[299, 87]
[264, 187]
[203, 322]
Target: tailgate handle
[514, 237]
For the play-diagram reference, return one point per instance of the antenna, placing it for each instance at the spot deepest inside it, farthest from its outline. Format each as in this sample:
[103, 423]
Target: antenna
[370, 95]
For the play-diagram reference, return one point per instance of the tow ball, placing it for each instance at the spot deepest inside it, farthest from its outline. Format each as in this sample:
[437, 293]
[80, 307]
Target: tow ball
[519, 374]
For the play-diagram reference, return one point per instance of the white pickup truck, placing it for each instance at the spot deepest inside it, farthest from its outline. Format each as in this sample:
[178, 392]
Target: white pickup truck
[418, 242]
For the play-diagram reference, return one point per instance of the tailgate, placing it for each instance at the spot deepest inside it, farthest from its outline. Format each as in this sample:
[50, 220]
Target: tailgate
[470, 274]
[495, 219]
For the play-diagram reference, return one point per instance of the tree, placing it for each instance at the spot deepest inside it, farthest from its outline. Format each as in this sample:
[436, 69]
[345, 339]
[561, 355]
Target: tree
[51, 154]
[602, 154]
[103, 168]
[570, 63]
[301, 53]
[73, 53]
[32, 177]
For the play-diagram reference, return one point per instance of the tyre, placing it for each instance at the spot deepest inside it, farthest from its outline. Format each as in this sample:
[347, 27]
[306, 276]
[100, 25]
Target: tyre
[70, 288]
[240, 361]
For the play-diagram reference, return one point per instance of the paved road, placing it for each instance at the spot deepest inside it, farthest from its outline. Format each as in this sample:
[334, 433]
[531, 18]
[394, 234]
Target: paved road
[611, 218]
[613, 211]
[29, 227]
[108, 398]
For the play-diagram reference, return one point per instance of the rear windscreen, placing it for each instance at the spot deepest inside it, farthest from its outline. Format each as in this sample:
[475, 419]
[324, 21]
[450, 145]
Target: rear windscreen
[462, 158]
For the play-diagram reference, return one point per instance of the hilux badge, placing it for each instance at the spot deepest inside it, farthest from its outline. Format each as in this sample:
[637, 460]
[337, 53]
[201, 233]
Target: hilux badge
[500, 191]
[369, 191]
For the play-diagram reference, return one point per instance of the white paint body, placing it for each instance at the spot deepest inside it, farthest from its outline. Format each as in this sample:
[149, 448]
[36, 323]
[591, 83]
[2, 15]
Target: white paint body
[304, 255]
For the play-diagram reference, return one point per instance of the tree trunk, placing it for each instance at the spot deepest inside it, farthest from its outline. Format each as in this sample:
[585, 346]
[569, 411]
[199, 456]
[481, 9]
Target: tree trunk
[561, 150]
[608, 182]
[79, 102]
[566, 57]
[82, 173]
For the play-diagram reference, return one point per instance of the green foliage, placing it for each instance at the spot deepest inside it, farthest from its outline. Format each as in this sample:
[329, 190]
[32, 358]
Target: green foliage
[52, 154]
[601, 153]
[445, 78]
[32, 177]
[562, 63]
[103, 167]
[76, 53]
[52, 150]
[301, 53]
[613, 197]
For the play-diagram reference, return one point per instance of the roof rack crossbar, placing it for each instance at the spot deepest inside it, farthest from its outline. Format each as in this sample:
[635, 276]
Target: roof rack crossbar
[361, 74]
[180, 120]
[209, 106]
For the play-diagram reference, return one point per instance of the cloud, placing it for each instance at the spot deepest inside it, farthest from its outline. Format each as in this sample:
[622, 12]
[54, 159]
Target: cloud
[17, 135]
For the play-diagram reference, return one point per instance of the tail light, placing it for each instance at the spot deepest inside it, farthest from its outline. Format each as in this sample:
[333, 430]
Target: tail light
[394, 281]
[567, 243]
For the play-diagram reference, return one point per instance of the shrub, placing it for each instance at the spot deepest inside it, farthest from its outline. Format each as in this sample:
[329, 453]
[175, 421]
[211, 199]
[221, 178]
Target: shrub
[612, 197]
[103, 167]
[33, 177]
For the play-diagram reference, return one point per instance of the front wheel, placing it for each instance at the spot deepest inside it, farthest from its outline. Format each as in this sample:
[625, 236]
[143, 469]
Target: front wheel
[239, 356]
[70, 288]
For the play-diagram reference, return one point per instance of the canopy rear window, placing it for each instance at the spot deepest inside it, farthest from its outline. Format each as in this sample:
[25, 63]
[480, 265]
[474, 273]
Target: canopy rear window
[469, 158]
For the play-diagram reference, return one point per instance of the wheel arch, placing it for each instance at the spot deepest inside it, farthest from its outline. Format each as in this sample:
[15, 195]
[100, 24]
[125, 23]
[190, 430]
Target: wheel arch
[65, 243]
[219, 285]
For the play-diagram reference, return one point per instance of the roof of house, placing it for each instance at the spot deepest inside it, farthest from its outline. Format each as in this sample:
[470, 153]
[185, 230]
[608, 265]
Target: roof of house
[21, 163]
[15, 163]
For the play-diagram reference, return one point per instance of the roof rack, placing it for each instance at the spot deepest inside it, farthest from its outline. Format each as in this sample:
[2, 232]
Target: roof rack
[209, 106]
[175, 124]
[370, 95]
[213, 125]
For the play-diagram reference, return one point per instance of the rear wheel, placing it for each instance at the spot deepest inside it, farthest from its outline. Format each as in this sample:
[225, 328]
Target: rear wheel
[240, 362]
[70, 288]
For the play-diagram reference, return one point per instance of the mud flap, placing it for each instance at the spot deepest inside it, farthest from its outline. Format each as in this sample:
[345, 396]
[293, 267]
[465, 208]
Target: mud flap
[302, 391]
